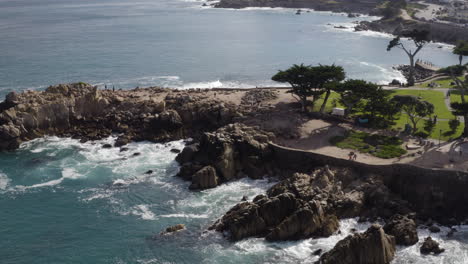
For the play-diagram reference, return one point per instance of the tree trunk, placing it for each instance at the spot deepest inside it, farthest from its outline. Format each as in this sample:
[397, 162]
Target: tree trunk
[465, 129]
[327, 95]
[303, 103]
[460, 58]
[415, 128]
[411, 71]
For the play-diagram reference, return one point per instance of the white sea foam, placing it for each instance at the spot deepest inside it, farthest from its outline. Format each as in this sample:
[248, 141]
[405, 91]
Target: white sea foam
[184, 216]
[143, 211]
[4, 181]
[67, 173]
[389, 73]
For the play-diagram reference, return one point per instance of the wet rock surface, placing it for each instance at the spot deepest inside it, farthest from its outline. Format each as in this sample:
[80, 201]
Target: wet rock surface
[233, 151]
[430, 246]
[370, 247]
[81, 111]
[403, 229]
[309, 205]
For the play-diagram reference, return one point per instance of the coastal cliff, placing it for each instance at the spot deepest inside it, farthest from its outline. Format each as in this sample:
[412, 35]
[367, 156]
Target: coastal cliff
[82, 111]
[395, 24]
[365, 7]
[232, 140]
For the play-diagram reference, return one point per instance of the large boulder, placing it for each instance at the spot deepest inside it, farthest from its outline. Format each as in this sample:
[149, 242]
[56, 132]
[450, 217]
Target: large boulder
[234, 151]
[403, 229]
[204, 178]
[430, 246]
[370, 247]
[303, 223]
[281, 217]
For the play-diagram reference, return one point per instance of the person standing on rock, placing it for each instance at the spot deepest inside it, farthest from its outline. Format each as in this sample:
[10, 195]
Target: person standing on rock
[351, 155]
[354, 156]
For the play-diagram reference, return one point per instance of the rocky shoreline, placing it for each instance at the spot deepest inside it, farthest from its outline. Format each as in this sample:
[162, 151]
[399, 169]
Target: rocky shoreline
[232, 138]
[363, 7]
[440, 32]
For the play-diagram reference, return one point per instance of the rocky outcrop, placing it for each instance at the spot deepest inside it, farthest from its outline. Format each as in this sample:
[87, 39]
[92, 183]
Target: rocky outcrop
[173, 229]
[307, 205]
[204, 178]
[336, 6]
[430, 246]
[370, 247]
[82, 111]
[283, 217]
[439, 32]
[403, 229]
[233, 151]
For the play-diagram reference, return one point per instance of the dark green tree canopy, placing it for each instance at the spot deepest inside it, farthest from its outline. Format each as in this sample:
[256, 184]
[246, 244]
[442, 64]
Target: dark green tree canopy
[459, 109]
[307, 80]
[415, 109]
[419, 38]
[300, 77]
[355, 92]
[461, 50]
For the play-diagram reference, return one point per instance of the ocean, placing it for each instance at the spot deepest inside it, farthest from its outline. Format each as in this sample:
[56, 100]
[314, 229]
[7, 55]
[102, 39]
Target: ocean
[63, 201]
[176, 43]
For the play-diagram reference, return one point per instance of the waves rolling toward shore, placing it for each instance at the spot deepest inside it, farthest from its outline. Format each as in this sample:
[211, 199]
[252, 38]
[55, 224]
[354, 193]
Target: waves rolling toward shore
[80, 198]
[129, 44]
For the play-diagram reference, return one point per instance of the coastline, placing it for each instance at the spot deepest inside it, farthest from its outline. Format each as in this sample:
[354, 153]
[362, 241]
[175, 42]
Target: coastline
[233, 138]
[440, 32]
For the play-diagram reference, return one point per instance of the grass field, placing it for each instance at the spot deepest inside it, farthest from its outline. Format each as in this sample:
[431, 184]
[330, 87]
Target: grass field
[434, 97]
[377, 145]
[440, 126]
[443, 83]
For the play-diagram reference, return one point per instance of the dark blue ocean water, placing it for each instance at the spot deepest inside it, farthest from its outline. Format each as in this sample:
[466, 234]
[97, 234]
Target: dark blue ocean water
[179, 44]
[66, 202]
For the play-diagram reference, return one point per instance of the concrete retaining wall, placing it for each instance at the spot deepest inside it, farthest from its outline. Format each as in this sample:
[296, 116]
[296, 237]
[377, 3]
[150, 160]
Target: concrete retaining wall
[436, 193]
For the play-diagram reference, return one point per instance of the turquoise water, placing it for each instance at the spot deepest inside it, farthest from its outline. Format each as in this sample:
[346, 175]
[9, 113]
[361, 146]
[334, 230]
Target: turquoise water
[179, 44]
[66, 202]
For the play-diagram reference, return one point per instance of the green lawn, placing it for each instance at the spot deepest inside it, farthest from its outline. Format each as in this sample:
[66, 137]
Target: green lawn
[377, 145]
[444, 83]
[456, 97]
[434, 97]
[441, 125]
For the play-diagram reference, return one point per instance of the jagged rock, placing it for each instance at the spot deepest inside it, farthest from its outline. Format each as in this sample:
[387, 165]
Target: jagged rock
[317, 252]
[11, 97]
[204, 178]
[122, 141]
[434, 229]
[174, 150]
[233, 150]
[241, 221]
[403, 229]
[281, 217]
[305, 222]
[172, 229]
[187, 154]
[370, 247]
[430, 246]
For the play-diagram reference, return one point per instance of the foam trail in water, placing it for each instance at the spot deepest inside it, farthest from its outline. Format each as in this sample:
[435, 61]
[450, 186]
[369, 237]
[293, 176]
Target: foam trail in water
[143, 211]
[4, 181]
[67, 173]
